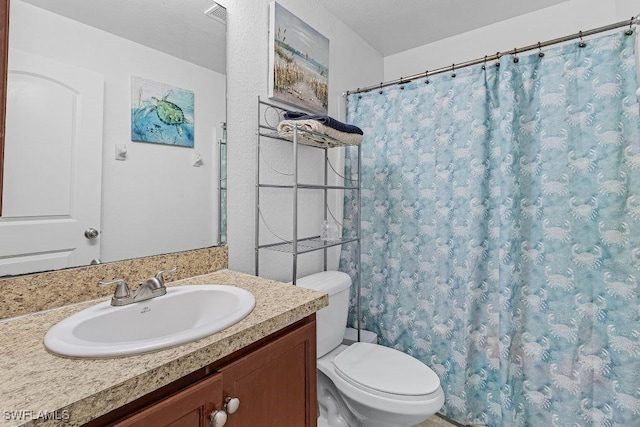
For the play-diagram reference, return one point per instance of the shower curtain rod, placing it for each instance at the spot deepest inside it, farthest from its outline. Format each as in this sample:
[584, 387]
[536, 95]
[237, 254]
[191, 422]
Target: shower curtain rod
[579, 35]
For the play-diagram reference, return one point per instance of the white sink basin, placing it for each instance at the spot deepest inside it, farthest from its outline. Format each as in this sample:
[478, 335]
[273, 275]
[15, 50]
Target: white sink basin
[184, 314]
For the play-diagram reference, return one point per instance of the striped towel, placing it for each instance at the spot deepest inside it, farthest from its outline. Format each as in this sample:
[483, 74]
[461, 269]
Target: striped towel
[320, 133]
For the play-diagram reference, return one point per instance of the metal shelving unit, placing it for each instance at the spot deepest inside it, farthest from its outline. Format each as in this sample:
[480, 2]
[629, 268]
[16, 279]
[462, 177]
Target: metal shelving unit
[300, 245]
[222, 186]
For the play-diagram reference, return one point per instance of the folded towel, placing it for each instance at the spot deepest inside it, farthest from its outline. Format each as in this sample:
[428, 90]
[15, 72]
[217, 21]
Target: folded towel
[325, 120]
[286, 128]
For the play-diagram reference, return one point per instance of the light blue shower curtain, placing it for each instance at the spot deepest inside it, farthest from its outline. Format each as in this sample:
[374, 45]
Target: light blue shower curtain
[501, 233]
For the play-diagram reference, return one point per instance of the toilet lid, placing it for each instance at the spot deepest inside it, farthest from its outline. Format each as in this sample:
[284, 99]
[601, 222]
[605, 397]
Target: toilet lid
[386, 370]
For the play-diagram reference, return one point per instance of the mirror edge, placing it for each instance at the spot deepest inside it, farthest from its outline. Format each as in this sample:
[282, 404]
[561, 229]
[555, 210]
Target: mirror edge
[4, 55]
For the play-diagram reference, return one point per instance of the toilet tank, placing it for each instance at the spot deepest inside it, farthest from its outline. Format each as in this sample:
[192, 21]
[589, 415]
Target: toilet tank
[332, 320]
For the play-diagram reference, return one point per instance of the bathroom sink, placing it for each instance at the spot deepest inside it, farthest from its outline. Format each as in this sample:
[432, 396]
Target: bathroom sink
[184, 314]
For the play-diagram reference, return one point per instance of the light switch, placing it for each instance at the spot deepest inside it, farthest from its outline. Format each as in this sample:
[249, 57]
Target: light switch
[121, 152]
[197, 160]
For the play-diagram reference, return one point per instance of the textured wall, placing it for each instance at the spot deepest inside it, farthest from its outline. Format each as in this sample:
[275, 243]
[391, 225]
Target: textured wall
[353, 64]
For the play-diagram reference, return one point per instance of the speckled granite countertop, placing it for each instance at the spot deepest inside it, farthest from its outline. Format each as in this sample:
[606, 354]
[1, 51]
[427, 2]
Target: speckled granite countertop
[33, 380]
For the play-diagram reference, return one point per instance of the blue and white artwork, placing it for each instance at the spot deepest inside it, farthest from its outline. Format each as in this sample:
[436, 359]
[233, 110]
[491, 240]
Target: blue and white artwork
[161, 113]
[298, 62]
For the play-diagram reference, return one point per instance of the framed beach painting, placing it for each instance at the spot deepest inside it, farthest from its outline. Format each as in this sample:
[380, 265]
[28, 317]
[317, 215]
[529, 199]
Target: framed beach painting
[160, 113]
[298, 62]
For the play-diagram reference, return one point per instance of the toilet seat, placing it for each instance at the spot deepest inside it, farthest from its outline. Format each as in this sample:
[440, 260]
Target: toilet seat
[367, 402]
[385, 372]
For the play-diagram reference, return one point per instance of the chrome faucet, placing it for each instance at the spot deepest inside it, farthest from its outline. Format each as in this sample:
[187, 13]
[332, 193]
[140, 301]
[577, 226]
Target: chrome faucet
[151, 288]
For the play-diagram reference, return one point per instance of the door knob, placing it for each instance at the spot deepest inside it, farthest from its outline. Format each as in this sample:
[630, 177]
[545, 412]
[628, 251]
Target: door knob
[91, 233]
[231, 404]
[218, 418]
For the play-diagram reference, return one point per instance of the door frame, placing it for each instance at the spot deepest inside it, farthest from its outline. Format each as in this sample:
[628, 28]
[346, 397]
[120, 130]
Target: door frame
[4, 55]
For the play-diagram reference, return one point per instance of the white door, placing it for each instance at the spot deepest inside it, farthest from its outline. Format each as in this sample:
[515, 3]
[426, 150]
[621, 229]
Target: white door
[53, 165]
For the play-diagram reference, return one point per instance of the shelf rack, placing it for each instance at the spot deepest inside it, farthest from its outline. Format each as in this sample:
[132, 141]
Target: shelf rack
[267, 130]
[222, 186]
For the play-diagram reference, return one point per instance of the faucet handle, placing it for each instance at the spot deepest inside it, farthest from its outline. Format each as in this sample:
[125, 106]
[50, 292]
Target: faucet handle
[160, 275]
[122, 291]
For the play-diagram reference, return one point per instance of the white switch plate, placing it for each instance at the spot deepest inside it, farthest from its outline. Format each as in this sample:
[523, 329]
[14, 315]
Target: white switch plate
[121, 152]
[196, 160]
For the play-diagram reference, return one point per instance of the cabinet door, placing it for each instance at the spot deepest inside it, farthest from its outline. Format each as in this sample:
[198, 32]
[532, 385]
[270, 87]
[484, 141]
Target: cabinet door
[188, 408]
[276, 384]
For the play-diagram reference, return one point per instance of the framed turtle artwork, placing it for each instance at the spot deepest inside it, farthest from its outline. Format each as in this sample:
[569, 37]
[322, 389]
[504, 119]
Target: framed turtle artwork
[160, 113]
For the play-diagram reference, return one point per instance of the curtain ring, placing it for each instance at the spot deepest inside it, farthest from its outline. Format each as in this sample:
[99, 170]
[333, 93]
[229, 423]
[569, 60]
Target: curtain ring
[401, 84]
[515, 56]
[380, 92]
[629, 32]
[497, 59]
[582, 43]
[453, 70]
[426, 76]
[484, 65]
[540, 53]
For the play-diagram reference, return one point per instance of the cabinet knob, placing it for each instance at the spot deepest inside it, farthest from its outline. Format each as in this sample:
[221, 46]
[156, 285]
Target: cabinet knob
[218, 418]
[231, 404]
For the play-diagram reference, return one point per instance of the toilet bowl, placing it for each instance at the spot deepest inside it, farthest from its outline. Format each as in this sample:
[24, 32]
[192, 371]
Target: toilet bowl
[365, 384]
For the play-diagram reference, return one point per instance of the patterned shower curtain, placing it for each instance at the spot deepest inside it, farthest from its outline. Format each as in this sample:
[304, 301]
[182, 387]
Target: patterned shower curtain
[501, 233]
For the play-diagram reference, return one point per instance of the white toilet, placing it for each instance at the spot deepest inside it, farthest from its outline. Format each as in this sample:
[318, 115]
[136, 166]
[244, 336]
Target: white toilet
[365, 384]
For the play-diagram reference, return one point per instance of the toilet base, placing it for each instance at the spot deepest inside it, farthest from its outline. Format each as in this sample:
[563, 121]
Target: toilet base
[322, 422]
[332, 407]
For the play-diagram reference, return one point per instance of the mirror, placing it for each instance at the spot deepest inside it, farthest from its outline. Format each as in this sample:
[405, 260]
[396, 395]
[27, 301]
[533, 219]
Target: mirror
[71, 71]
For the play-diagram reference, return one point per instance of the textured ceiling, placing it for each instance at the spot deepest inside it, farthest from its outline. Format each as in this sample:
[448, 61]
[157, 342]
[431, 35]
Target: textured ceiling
[180, 28]
[393, 26]
[177, 27]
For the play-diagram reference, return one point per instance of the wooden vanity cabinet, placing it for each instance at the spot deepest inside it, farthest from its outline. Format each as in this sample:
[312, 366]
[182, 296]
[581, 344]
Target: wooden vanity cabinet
[274, 380]
[189, 407]
[276, 384]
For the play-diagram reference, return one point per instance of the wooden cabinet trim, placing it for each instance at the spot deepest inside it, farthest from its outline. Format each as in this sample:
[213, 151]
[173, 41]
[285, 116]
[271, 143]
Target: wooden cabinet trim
[183, 402]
